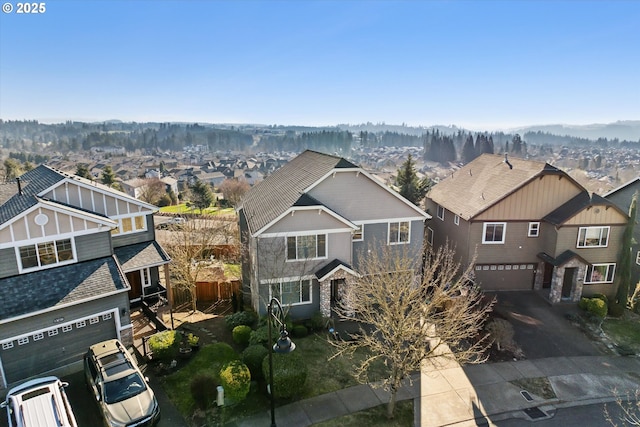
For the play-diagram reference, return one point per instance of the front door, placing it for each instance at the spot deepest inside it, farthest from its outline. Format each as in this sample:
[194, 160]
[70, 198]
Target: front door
[567, 282]
[336, 286]
[547, 276]
[136, 285]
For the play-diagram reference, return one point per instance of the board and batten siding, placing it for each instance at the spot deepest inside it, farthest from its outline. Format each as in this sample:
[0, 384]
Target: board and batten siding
[306, 220]
[92, 246]
[8, 262]
[517, 247]
[355, 196]
[535, 200]
[568, 240]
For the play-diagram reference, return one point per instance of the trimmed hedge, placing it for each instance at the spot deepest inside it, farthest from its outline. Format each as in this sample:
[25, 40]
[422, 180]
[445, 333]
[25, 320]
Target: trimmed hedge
[235, 378]
[260, 336]
[289, 374]
[165, 345]
[241, 334]
[596, 306]
[247, 318]
[253, 356]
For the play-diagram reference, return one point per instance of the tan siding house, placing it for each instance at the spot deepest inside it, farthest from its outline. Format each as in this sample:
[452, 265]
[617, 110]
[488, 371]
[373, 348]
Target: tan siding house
[529, 226]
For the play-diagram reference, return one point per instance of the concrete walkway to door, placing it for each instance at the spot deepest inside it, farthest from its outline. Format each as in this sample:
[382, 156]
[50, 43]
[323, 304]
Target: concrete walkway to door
[542, 329]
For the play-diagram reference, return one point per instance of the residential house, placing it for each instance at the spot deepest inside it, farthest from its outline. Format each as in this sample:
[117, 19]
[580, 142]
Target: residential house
[305, 227]
[529, 226]
[622, 197]
[73, 254]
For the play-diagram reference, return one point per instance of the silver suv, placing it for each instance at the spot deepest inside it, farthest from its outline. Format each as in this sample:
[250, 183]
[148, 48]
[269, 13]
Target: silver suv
[41, 402]
[124, 397]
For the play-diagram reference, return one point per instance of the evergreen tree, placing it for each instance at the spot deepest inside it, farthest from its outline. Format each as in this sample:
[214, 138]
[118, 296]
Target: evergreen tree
[517, 144]
[108, 177]
[468, 150]
[624, 264]
[411, 188]
[201, 195]
[83, 171]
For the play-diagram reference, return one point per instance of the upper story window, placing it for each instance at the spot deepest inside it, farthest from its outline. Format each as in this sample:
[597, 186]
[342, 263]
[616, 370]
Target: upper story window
[399, 232]
[306, 247]
[358, 235]
[46, 254]
[534, 229]
[127, 225]
[494, 232]
[440, 212]
[593, 237]
[430, 236]
[456, 220]
[638, 258]
[600, 273]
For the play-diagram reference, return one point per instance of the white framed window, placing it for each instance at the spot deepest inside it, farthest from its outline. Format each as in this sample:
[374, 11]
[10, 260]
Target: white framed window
[23, 340]
[494, 232]
[94, 320]
[81, 324]
[67, 328]
[430, 235]
[291, 291]
[7, 345]
[507, 267]
[306, 247]
[638, 258]
[38, 336]
[494, 267]
[456, 219]
[516, 266]
[440, 212]
[145, 275]
[46, 254]
[600, 273]
[534, 229]
[478, 267]
[128, 225]
[358, 235]
[53, 332]
[106, 316]
[399, 232]
[501, 267]
[593, 237]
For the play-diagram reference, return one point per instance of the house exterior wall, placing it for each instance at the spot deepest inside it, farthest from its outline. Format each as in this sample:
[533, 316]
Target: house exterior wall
[93, 246]
[299, 311]
[534, 200]
[133, 238]
[307, 220]
[8, 263]
[375, 237]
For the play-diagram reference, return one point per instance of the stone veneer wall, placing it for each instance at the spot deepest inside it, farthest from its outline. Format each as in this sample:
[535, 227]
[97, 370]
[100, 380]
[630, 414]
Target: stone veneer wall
[325, 292]
[558, 276]
[126, 335]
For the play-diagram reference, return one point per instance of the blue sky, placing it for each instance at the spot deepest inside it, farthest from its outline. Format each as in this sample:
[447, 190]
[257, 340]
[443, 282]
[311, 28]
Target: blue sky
[478, 64]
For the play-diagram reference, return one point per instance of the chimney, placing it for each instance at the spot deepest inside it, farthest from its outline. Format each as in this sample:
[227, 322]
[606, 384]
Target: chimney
[19, 185]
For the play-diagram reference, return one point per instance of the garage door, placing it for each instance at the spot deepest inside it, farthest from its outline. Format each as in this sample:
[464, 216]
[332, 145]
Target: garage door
[501, 277]
[54, 348]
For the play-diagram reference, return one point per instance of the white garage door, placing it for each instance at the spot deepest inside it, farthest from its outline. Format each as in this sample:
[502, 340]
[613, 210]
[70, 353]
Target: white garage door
[54, 348]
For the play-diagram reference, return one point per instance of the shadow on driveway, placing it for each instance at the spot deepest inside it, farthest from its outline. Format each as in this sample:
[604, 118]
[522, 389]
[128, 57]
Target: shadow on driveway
[541, 329]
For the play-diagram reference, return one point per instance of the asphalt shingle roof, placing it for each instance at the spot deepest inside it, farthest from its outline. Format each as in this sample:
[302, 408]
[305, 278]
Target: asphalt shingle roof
[58, 286]
[273, 196]
[485, 181]
[141, 255]
[575, 205]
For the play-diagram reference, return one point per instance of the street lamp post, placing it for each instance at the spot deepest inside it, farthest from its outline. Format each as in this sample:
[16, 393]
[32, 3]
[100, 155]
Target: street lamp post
[283, 345]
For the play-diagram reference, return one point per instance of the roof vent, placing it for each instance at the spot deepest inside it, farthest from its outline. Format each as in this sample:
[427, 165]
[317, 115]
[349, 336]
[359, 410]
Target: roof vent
[506, 160]
[19, 185]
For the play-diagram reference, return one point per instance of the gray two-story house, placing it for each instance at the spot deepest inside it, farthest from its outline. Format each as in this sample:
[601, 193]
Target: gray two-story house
[305, 227]
[527, 225]
[73, 254]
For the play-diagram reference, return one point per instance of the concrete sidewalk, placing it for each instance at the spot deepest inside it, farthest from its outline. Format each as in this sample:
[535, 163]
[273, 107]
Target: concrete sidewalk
[455, 395]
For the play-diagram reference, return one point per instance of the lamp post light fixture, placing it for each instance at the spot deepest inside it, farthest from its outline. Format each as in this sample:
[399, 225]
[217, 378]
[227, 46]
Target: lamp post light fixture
[282, 346]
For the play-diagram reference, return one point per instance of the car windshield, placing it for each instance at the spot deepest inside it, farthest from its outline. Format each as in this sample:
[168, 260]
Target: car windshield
[123, 388]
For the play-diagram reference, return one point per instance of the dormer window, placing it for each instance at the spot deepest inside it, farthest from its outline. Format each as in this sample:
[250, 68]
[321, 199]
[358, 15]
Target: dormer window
[45, 254]
[128, 225]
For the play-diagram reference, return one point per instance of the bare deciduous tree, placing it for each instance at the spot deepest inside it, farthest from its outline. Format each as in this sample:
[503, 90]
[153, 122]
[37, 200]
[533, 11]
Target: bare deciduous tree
[190, 246]
[233, 190]
[628, 409]
[152, 190]
[405, 319]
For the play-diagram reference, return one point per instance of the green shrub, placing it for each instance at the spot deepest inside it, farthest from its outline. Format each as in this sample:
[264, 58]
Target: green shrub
[220, 354]
[247, 318]
[241, 334]
[253, 356]
[583, 304]
[203, 390]
[165, 345]
[603, 297]
[260, 336]
[289, 374]
[598, 307]
[235, 378]
[616, 310]
[317, 322]
[300, 331]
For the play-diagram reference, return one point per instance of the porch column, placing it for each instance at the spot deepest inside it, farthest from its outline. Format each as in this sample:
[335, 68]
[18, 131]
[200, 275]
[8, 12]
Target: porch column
[325, 298]
[167, 283]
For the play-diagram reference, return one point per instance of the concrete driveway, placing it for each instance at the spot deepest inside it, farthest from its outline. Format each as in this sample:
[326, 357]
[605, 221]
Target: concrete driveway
[541, 329]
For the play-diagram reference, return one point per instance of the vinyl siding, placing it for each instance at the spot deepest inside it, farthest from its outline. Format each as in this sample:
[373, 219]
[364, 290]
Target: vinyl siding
[534, 200]
[8, 262]
[132, 238]
[356, 197]
[568, 238]
[517, 248]
[302, 311]
[376, 238]
[93, 246]
[306, 220]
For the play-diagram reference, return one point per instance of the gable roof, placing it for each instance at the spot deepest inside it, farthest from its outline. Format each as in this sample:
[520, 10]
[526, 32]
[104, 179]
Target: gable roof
[486, 181]
[634, 181]
[270, 198]
[575, 205]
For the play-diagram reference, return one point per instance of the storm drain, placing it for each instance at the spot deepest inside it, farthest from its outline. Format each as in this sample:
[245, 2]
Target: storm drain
[535, 413]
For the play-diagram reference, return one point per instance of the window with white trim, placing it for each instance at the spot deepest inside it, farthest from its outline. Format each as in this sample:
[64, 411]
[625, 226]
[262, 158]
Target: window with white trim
[53, 332]
[291, 292]
[7, 345]
[46, 254]
[106, 316]
[534, 229]
[440, 212]
[358, 235]
[81, 324]
[593, 237]
[38, 336]
[494, 232]
[638, 258]
[306, 247]
[430, 235]
[399, 232]
[23, 340]
[128, 225]
[600, 273]
[94, 320]
[67, 328]
[145, 275]
[456, 219]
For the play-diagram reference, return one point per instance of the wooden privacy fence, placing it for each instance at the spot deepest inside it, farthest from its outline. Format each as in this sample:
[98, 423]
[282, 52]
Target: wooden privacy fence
[207, 291]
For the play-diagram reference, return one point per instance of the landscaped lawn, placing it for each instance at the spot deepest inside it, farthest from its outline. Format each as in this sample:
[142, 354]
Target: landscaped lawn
[324, 376]
[182, 209]
[624, 331]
